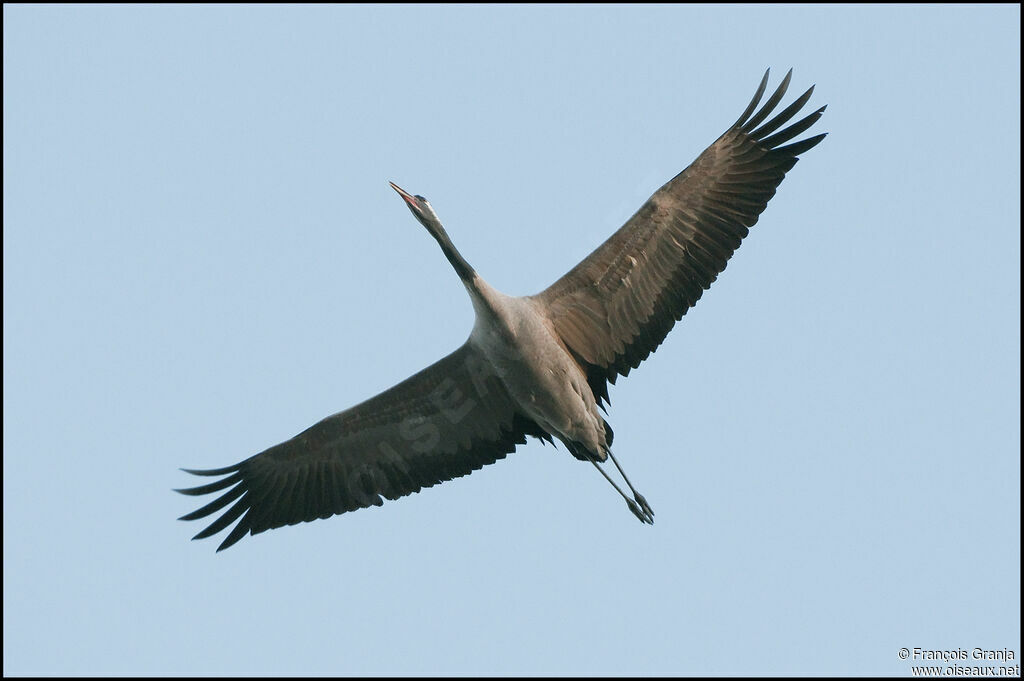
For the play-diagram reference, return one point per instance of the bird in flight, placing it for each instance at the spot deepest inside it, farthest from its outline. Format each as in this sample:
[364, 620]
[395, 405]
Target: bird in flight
[537, 365]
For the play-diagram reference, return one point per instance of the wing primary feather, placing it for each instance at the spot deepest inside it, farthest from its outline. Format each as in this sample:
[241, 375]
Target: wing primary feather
[800, 147]
[240, 530]
[212, 487]
[793, 130]
[215, 505]
[214, 471]
[787, 113]
[272, 498]
[753, 102]
[772, 102]
[229, 517]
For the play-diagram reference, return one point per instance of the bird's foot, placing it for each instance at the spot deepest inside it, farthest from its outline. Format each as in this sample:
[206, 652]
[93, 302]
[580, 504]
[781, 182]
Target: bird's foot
[644, 506]
[642, 515]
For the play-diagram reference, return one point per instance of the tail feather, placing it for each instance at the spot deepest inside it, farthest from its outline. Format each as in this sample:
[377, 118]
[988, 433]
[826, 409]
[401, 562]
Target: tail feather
[580, 451]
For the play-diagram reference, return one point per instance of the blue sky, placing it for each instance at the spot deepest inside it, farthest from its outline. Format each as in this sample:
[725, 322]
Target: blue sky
[202, 257]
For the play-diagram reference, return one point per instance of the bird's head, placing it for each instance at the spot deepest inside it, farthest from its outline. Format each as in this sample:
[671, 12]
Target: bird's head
[421, 208]
[424, 212]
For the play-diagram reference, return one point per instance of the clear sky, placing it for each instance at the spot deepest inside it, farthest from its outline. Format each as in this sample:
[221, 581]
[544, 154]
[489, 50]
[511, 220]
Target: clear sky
[202, 257]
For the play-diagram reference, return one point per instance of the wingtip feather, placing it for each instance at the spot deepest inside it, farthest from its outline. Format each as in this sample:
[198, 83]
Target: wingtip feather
[212, 471]
[754, 101]
[770, 105]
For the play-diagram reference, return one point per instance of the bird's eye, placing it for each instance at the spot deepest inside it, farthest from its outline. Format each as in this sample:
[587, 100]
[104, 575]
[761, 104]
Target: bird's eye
[419, 197]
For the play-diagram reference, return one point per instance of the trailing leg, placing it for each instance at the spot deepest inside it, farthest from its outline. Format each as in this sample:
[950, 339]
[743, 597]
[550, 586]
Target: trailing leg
[636, 495]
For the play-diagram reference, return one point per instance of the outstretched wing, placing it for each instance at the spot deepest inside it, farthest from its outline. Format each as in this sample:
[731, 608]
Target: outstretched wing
[616, 307]
[447, 421]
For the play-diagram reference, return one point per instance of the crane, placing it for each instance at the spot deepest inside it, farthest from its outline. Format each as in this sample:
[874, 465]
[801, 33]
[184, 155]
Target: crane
[534, 366]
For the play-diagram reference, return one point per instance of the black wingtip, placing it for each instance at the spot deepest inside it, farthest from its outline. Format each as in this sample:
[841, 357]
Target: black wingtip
[227, 544]
[212, 471]
[770, 105]
[791, 110]
[800, 147]
[792, 131]
[754, 101]
[217, 486]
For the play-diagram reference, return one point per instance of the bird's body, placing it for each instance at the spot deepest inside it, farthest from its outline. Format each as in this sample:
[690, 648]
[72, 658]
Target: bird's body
[546, 384]
[533, 366]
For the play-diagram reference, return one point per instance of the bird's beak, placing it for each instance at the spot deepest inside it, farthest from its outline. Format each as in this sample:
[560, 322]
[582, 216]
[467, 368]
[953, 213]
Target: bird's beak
[404, 194]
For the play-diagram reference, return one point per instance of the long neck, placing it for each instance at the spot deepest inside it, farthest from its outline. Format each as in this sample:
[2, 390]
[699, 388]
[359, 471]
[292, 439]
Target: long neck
[466, 273]
[487, 302]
